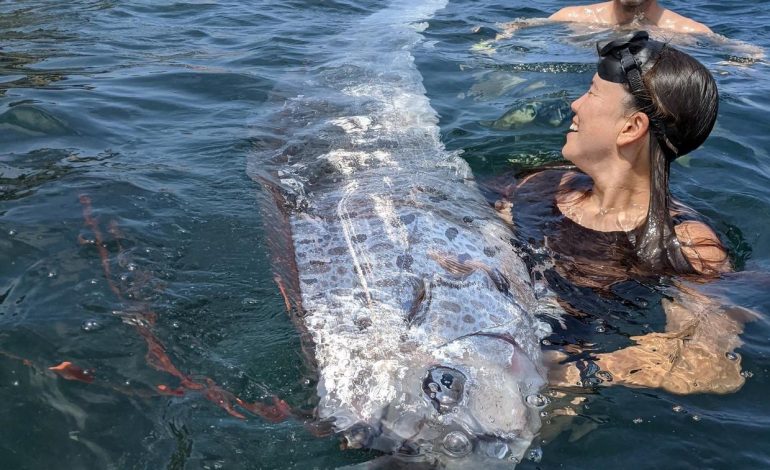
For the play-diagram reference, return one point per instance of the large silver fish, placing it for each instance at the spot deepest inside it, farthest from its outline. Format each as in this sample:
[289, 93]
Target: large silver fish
[416, 309]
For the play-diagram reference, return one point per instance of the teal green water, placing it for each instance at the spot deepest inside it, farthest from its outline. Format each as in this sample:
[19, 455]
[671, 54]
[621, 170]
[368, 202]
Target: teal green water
[153, 109]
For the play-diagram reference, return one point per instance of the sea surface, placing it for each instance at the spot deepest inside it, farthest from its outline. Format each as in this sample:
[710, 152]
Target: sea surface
[137, 299]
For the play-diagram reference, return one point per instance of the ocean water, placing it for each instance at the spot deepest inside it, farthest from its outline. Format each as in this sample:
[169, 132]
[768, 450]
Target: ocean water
[126, 130]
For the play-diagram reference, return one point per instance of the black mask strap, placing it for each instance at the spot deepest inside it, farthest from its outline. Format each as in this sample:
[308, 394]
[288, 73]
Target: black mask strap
[619, 51]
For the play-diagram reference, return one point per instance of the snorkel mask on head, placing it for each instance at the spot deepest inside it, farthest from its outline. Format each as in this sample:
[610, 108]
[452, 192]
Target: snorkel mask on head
[621, 61]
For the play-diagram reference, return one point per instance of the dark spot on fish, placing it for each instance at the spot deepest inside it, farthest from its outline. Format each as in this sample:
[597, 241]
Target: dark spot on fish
[381, 246]
[360, 238]
[469, 319]
[361, 296]
[310, 281]
[404, 261]
[341, 270]
[338, 250]
[463, 258]
[468, 219]
[407, 219]
[362, 323]
[436, 195]
[318, 268]
[451, 233]
[386, 283]
[490, 252]
[451, 306]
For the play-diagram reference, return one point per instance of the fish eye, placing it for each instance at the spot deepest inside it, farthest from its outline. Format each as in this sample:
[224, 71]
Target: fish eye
[444, 387]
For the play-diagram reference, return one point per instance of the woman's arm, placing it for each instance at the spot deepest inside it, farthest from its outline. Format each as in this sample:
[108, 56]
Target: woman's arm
[694, 355]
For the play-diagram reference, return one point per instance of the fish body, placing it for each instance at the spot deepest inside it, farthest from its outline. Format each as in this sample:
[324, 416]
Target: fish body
[417, 310]
[31, 121]
[553, 112]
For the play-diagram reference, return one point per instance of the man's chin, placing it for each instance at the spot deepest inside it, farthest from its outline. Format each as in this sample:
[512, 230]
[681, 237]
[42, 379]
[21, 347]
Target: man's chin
[634, 4]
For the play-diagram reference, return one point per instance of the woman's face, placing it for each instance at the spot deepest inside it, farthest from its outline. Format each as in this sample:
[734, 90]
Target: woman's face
[599, 117]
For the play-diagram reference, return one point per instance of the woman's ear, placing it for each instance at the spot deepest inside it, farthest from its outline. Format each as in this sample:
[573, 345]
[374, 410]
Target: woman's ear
[635, 128]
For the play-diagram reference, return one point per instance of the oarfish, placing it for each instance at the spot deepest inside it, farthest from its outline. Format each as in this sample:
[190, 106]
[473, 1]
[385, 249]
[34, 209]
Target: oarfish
[416, 308]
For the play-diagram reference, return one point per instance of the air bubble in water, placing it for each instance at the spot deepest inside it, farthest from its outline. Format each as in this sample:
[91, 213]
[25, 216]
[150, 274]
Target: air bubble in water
[52, 274]
[15, 383]
[12, 232]
[457, 444]
[638, 420]
[535, 455]
[131, 266]
[731, 356]
[601, 329]
[546, 342]
[90, 325]
[695, 418]
[537, 400]
[747, 374]
[678, 408]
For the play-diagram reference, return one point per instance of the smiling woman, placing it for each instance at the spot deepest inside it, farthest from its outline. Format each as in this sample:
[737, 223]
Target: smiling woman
[647, 105]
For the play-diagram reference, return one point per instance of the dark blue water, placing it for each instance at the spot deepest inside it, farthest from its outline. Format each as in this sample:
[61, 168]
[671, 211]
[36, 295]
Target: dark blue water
[152, 110]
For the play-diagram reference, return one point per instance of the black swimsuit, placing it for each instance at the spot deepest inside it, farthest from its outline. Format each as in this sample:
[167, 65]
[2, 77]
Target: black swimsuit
[591, 272]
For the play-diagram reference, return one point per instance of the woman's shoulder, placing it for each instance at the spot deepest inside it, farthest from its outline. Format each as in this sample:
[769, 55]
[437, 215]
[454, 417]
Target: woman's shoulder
[702, 247]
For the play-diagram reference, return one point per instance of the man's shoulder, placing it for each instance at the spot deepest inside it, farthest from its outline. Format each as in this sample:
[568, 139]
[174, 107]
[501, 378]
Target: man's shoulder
[579, 13]
[682, 24]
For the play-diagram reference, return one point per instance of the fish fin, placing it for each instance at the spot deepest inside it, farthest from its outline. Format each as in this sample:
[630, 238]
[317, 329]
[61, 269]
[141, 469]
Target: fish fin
[420, 305]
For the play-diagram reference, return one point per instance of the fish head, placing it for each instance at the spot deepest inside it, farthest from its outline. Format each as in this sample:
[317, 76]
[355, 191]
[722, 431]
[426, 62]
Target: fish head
[477, 404]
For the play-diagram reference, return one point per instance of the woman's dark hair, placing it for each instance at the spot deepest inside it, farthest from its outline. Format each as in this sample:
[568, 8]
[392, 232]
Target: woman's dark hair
[681, 101]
